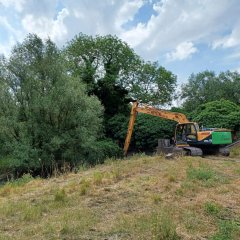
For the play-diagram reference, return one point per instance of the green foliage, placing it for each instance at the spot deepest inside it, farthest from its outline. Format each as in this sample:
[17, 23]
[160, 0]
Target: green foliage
[212, 208]
[45, 115]
[22, 180]
[116, 74]
[227, 230]
[103, 63]
[207, 176]
[102, 149]
[116, 127]
[202, 173]
[149, 129]
[113, 71]
[153, 84]
[207, 86]
[221, 113]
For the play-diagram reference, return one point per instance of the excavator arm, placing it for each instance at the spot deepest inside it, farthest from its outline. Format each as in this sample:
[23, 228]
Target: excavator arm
[178, 117]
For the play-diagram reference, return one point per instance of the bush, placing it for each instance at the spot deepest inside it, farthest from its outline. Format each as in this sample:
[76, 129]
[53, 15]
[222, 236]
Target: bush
[147, 130]
[101, 150]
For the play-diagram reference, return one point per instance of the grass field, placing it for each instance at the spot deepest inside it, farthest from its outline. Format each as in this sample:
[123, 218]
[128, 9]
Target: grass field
[138, 198]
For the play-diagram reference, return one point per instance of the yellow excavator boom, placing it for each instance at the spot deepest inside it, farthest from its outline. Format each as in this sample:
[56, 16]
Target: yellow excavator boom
[178, 117]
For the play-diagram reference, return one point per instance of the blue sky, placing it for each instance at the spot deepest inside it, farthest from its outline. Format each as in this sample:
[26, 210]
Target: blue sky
[185, 36]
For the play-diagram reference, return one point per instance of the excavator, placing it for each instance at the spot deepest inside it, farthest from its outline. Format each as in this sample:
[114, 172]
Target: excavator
[189, 139]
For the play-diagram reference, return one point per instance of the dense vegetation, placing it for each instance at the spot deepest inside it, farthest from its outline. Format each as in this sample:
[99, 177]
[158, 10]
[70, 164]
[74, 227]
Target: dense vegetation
[65, 107]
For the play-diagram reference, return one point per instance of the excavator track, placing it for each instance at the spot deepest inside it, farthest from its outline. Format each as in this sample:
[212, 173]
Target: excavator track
[193, 151]
[233, 144]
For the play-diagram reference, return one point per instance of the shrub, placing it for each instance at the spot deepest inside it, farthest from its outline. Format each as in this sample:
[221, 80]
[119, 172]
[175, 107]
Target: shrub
[102, 150]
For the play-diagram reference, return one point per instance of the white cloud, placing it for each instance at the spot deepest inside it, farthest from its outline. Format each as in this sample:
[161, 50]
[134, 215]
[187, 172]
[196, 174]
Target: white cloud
[16, 4]
[176, 21]
[231, 40]
[172, 28]
[127, 11]
[183, 51]
[47, 27]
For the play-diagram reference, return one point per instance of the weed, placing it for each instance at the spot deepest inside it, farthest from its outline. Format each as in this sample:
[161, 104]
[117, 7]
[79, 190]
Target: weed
[84, 187]
[116, 174]
[172, 178]
[109, 161]
[60, 196]
[10, 209]
[32, 213]
[227, 230]
[6, 190]
[192, 221]
[237, 171]
[179, 191]
[163, 227]
[98, 178]
[206, 175]
[82, 168]
[156, 198]
[201, 173]
[187, 186]
[137, 156]
[20, 181]
[65, 230]
[212, 208]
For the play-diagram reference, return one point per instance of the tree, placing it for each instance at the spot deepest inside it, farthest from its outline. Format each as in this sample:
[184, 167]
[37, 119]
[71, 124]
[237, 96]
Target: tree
[152, 84]
[46, 116]
[147, 130]
[219, 114]
[207, 86]
[117, 72]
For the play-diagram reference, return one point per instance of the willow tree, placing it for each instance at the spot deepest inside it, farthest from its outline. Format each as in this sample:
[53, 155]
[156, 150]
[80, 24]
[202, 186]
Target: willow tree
[46, 117]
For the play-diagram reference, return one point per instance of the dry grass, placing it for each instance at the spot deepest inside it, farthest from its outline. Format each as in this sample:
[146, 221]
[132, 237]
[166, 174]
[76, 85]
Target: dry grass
[235, 151]
[137, 198]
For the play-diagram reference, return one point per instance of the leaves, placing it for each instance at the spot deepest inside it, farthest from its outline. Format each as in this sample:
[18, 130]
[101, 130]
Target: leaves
[207, 86]
[45, 114]
[220, 114]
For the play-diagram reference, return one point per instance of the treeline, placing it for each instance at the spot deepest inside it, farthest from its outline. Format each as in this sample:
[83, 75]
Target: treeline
[67, 107]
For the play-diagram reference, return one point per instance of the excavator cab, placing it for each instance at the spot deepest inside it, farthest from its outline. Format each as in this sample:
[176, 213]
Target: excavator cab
[186, 133]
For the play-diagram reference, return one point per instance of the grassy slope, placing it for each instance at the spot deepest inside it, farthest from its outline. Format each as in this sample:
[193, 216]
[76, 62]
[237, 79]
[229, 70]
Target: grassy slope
[139, 198]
